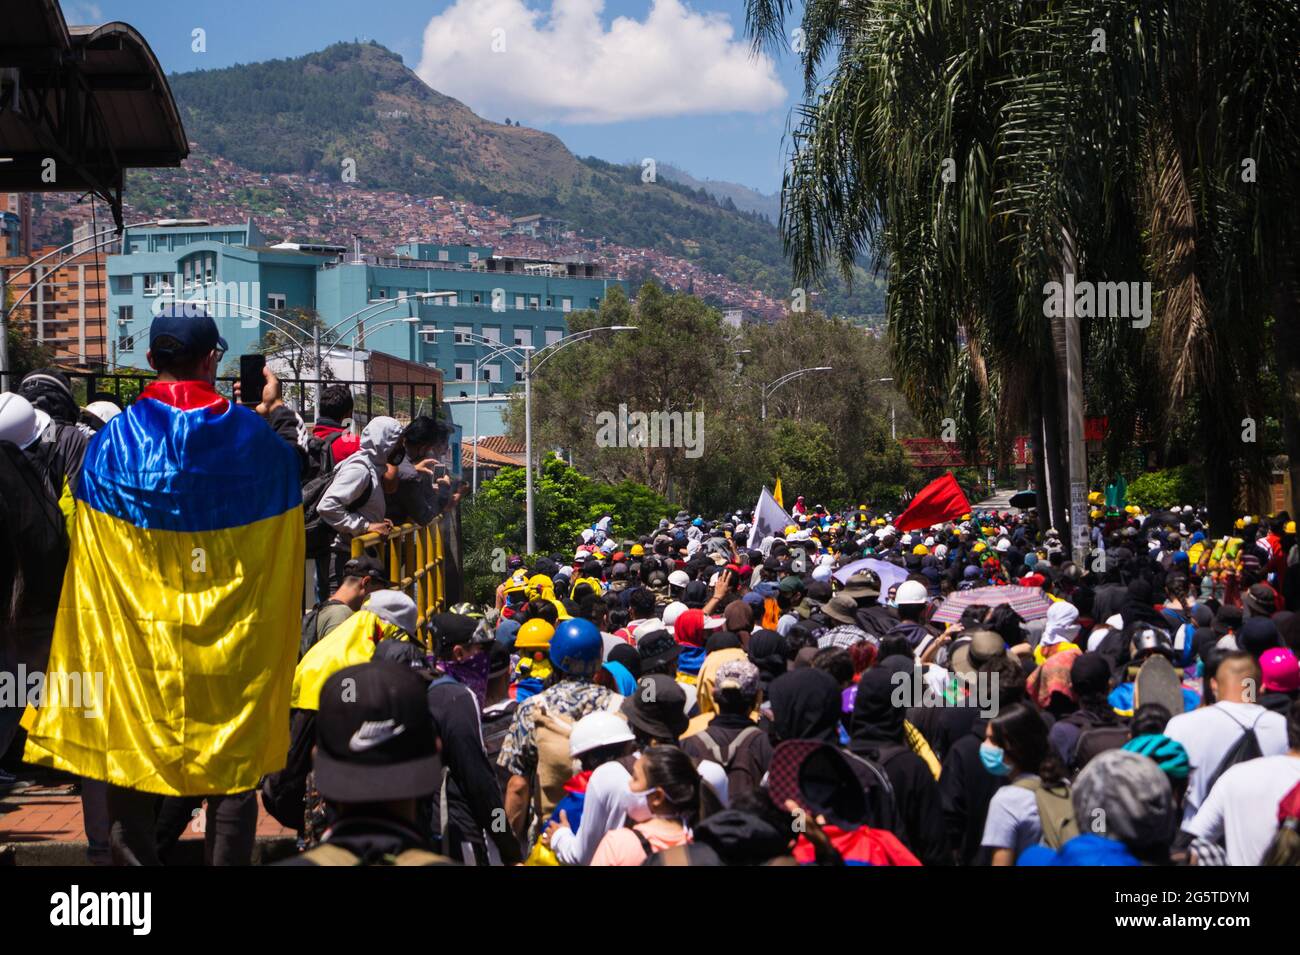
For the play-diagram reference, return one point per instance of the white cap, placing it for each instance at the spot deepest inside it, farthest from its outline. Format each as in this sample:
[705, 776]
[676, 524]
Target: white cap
[393, 606]
[714, 623]
[822, 573]
[671, 613]
[20, 423]
[601, 728]
[911, 592]
[679, 578]
[105, 411]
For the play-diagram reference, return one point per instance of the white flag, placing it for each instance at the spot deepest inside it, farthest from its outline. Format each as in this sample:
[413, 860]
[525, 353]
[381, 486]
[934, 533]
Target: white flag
[769, 519]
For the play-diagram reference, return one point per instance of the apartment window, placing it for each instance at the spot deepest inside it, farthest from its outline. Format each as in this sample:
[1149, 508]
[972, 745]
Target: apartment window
[478, 298]
[151, 283]
[492, 373]
[275, 301]
[533, 302]
[492, 334]
[210, 270]
[462, 334]
[524, 336]
[553, 335]
[453, 299]
[473, 256]
[548, 303]
[464, 371]
[566, 304]
[519, 302]
[125, 314]
[442, 255]
[519, 377]
[122, 285]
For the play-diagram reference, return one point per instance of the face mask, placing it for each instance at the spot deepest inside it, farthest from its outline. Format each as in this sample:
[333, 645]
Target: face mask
[472, 672]
[994, 759]
[636, 804]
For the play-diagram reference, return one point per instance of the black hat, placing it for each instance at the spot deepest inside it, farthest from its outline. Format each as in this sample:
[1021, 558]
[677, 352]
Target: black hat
[456, 629]
[696, 594]
[374, 736]
[366, 567]
[657, 707]
[657, 650]
[185, 329]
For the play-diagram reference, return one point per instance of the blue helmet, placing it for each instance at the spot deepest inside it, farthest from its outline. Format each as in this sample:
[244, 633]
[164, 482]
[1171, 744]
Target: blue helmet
[576, 647]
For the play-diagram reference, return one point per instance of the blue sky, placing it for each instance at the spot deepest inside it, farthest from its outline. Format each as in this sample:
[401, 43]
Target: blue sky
[618, 82]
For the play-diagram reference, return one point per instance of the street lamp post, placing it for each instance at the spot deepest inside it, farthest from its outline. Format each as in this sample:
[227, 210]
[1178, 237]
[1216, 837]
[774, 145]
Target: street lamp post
[97, 241]
[533, 359]
[766, 390]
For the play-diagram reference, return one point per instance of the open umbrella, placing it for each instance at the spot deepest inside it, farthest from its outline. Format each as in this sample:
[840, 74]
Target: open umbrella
[888, 573]
[1030, 602]
[1024, 499]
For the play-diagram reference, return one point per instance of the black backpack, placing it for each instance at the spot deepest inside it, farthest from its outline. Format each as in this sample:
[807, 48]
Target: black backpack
[726, 755]
[35, 538]
[319, 533]
[309, 626]
[1246, 747]
[882, 807]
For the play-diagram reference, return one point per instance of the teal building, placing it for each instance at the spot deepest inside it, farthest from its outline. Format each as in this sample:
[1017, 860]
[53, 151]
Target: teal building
[428, 303]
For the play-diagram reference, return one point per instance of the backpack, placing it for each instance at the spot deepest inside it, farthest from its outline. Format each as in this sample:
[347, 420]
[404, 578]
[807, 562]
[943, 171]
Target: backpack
[725, 757]
[882, 808]
[319, 533]
[309, 636]
[1097, 740]
[284, 792]
[37, 535]
[327, 853]
[1055, 811]
[1246, 747]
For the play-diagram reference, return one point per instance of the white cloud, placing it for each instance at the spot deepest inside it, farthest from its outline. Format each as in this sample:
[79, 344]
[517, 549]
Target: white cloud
[564, 65]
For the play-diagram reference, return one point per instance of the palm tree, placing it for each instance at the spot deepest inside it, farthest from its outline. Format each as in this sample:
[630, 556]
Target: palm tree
[983, 149]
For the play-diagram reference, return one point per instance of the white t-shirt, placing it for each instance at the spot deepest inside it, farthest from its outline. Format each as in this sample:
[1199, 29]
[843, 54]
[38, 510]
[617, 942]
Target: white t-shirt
[1209, 732]
[1242, 807]
[1012, 822]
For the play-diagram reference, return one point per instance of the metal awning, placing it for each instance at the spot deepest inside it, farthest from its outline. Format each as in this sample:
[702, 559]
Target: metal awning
[93, 99]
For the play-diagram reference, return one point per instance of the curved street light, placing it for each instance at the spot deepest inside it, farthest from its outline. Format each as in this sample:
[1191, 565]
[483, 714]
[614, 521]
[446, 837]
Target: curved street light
[767, 389]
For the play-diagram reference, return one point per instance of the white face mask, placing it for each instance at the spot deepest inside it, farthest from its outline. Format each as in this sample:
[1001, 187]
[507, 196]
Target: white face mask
[636, 805]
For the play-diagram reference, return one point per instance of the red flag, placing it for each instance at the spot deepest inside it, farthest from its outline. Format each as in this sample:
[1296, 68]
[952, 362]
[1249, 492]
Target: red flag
[940, 500]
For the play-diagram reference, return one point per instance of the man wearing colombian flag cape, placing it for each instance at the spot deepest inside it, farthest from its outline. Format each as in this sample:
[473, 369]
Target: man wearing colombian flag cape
[183, 586]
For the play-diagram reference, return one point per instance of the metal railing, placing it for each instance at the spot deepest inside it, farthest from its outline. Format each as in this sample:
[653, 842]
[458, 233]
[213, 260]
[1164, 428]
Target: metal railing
[415, 557]
[399, 399]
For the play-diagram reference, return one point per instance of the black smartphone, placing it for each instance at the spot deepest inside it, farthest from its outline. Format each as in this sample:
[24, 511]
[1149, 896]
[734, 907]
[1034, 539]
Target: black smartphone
[251, 379]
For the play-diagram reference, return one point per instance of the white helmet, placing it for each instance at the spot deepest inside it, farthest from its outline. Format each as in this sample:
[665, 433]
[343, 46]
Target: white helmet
[20, 423]
[594, 730]
[911, 592]
[105, 411]
[671, 613]
[678, 578]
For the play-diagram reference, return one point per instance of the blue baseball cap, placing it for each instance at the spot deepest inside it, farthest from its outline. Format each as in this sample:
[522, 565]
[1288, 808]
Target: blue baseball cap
[185, 328]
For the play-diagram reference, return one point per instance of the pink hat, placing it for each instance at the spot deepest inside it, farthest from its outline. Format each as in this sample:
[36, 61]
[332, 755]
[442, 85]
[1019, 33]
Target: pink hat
[1281, 670]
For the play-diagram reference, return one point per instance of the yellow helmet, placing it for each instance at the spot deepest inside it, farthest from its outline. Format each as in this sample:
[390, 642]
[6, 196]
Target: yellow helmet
[920, 550]
[979, 546]
[1289, 528]
[1239, 523]
[535, 634]
[791, 529]
[539, 585]
[1096, 497]
[638, 550]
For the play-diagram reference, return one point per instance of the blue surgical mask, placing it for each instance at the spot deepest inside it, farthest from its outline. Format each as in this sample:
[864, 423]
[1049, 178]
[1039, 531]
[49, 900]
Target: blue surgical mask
[994, 759]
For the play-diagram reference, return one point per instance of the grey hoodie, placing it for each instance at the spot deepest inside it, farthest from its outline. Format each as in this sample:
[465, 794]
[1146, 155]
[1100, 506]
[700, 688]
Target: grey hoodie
[363, 469]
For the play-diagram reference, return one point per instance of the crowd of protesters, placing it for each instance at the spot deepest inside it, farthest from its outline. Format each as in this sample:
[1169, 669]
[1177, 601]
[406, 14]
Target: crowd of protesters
[832, 691]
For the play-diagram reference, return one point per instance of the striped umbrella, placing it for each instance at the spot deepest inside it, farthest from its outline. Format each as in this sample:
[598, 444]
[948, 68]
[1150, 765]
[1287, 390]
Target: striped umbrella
[1030, 602]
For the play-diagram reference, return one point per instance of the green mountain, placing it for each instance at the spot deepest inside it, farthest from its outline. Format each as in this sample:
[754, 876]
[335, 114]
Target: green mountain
[768, 205]
[359, 102]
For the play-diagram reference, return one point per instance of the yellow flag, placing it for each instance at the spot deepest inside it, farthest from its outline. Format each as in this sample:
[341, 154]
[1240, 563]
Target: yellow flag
[776, 493]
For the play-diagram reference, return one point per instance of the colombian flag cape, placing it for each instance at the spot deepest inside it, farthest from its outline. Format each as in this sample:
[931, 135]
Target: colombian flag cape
[183, 589]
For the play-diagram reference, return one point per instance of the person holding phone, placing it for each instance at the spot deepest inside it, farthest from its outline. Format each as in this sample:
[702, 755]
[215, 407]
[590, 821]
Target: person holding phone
[418, 486]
